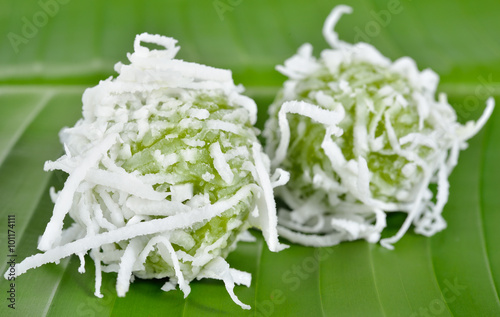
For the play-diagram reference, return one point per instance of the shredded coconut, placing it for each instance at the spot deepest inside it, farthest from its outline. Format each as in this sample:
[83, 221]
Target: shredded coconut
[361, 136]
[149, 188]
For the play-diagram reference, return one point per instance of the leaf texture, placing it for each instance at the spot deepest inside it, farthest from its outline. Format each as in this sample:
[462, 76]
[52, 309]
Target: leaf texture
[454, 273]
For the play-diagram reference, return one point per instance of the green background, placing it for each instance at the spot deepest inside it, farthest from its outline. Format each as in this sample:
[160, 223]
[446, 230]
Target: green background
[51, 51]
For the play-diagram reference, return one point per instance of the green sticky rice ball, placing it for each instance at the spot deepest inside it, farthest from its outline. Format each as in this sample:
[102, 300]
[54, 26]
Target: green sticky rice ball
[176, 146]
[370, 95]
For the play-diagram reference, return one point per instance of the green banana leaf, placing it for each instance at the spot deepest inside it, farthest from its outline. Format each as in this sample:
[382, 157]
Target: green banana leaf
[51, 50]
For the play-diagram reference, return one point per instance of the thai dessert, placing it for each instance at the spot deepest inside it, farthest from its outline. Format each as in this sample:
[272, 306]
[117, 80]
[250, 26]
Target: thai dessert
[165, 175]
[361, 136]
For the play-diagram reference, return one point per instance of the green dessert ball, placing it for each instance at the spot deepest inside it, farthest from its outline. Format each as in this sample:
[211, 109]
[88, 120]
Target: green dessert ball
[361, 136]
[165, 175]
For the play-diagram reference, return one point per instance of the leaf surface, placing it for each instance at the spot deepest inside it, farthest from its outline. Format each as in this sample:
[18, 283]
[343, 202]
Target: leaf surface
[52, 51]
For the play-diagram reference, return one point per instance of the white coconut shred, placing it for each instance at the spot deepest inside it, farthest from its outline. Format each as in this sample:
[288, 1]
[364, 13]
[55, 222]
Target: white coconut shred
[151, 188]
[362, 136]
